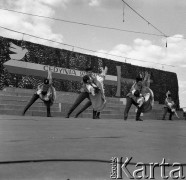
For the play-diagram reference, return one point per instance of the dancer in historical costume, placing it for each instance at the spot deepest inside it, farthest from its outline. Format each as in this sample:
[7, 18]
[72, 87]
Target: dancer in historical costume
[169, 106]
[141, 96]
[146, 97]
[82, 96]
[96, 92]
[46, 92]
[132, 96]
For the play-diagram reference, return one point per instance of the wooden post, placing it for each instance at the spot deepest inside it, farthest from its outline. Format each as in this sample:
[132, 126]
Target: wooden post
[118, 93]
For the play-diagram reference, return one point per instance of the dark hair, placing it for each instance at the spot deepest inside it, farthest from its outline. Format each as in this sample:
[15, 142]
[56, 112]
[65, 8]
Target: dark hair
[86, 78]
[46, 81]
[137, 93]
[88, 69]
[139, 78]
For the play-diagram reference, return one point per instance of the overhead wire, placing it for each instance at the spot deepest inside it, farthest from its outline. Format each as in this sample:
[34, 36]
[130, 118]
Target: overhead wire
[149, 23]
[93, 25]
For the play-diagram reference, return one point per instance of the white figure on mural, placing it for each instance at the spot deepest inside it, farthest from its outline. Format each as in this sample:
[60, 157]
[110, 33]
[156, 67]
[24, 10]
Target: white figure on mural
[19, 52]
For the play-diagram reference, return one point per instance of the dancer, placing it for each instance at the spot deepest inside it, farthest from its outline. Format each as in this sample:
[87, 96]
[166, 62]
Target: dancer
[169, 106]
[96, 92]
[46, 92]
[141, 96]
[146, 98]
[132, 97]
[91, 86]
[83, 95]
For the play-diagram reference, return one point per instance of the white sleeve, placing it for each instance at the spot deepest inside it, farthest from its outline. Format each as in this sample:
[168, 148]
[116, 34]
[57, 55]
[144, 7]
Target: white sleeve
[133, 91]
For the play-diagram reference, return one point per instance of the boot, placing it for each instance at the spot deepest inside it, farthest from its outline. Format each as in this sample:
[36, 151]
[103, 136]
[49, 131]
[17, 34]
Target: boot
[67, 116]
[98, 115]
[76, 116]
[138, 115]
[69, 113]
[94, 114]
[170, 117]
[48, 111]
[139, 119]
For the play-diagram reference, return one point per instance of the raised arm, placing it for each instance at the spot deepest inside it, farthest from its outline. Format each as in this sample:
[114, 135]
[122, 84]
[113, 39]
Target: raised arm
[146, 80]
[104, 71]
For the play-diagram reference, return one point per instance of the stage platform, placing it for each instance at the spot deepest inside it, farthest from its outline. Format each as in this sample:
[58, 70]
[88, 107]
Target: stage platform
[41, 148]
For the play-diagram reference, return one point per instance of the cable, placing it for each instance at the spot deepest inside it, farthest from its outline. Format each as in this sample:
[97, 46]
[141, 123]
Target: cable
[163, 34]
[71, 160]
[145, 19]
[82, 48]
[97, 26]
[84, 24]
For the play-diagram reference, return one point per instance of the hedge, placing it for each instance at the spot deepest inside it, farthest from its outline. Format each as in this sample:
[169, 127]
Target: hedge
[162, 80]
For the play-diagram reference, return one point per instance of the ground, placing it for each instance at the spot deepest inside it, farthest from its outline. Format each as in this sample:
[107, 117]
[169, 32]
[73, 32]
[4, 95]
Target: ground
[41, 148]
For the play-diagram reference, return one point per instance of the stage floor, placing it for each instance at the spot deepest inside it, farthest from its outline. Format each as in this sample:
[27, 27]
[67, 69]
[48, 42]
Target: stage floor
[40, 148]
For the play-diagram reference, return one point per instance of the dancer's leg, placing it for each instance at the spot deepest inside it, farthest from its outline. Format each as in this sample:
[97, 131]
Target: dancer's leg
[165, 112]
[94, 114]
[80, 98]
[127, 107]
[138, 114]
[170, 115]
[32, 100]
[87, 105]
[48, 103]
[98, 115]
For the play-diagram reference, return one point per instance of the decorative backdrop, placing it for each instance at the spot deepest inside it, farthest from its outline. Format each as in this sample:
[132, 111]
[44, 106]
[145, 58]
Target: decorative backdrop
[162, 80]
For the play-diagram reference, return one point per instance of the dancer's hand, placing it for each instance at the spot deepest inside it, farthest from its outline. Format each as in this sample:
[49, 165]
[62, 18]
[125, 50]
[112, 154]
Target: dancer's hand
[41, 97]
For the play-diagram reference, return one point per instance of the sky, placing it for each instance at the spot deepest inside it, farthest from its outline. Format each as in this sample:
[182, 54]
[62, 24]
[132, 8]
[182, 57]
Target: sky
[166, 15]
